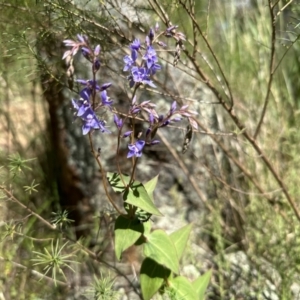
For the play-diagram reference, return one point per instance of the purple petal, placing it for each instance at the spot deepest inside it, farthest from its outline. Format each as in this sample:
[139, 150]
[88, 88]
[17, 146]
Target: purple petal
[97, 50]
[140, 144]
[173, 107]
[127, 134]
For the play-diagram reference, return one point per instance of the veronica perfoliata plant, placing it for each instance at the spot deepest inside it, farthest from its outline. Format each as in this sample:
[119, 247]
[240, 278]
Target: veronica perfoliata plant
[160, 268]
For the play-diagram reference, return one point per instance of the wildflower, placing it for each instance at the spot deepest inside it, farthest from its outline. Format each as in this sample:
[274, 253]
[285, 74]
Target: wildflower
[127, 134]
[118, 122]
[155, 67]
[97, 50]
[88, 116]
[91, 84]
[140, 75]
[161, 44]
[85, 94]
[135, 45]
[151, 35]
[173, 107]
[150, 57]
[165, 123]
[91, 121]
[105, 86]
[136, 149]
[86, 52]
[82, 38]
[154, 142]
[96, 65]
[105, 99]
[129, 61]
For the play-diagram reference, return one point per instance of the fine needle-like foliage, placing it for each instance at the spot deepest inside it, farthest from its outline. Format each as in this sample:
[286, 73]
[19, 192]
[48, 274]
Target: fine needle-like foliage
[54, 260]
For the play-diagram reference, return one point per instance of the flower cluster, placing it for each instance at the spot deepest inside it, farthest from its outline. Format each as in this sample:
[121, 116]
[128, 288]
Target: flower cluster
[92, 55]
[141, 70]
[86, 106]
[142, 64]
[155, 121]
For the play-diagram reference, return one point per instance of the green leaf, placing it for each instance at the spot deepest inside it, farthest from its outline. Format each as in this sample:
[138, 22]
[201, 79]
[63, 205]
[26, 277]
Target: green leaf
[152, 276]
[142, 239]
[138, 196]
[160, 248]
[201, 284]
[147, 228]
[183, 288]
[150, 186]
[127, 232]
[180, 237]
[116, 182]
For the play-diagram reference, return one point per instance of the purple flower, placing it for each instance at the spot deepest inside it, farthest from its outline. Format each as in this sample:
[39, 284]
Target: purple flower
[82, 38]
[92, 84]
[77, 103]
[86, 52]
[154, 68]
[88, 116]
[136, 149]
[97, 50]
[136, 44]
[85, 94]
[91, 121]
[81, 106]
[151, 34]
[128, 63]
[140, 75]
[105, 99]
[161, 44]
[154, 142]
[151, 118]
[173, 107]
[135, 110]
[150, 57]
[170, 31]
[118, 122]
[163, 121]
[105, 86]
[96, 65]
[127, 134]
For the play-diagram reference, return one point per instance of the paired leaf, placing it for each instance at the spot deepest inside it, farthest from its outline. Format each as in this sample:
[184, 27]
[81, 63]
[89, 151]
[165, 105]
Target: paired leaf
[150, 186]
[180, 238]
[127, 232]
[116, 182]
[160, 248]
[152, 277]
[137, 195]
[201, 284]
[183, 288]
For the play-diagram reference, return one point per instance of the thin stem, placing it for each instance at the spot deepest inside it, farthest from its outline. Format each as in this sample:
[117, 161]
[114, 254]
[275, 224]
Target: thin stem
[14, 199]
[245, 133]
[97, 157]
[284, 7]
[271, 69]
[211, 51]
